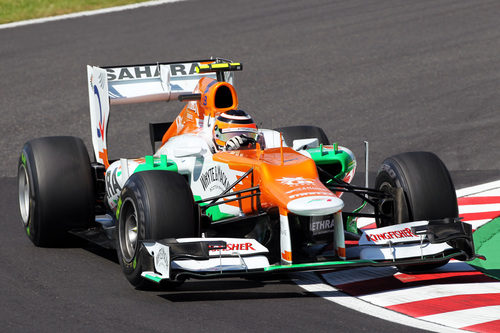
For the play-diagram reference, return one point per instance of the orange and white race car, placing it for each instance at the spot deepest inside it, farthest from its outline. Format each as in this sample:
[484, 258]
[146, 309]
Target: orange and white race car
[221, 197]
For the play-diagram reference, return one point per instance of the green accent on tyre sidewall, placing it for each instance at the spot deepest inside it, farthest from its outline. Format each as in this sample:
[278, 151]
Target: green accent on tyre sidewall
[23, 159]
[134, 263]
[118, 206]
[487, 243]
[213, 212]
[329, 155]
[157, 163]
[28, 230]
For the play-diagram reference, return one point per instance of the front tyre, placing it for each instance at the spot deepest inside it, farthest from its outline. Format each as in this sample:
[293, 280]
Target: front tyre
[422, 190]
[154, 205]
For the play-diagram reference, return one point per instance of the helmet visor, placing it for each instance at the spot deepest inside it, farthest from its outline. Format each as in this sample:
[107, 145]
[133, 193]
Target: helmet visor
[228, 133]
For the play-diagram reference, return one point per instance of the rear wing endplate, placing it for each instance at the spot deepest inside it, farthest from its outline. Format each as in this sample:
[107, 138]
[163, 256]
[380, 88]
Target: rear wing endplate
[140, 83]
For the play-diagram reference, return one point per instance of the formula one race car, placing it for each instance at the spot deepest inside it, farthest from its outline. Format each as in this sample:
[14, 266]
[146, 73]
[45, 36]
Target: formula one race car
[221, 197]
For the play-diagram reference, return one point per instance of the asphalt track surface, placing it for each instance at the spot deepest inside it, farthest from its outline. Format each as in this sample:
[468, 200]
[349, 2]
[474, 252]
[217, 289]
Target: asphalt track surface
[403, 75]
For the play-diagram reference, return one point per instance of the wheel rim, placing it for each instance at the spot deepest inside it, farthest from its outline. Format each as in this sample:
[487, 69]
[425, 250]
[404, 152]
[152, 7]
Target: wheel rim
[128, 230]
[24, 195]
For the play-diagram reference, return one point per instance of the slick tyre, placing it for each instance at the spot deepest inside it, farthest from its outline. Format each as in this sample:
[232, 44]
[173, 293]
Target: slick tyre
[426, 192]
[56, 189]
[291, 133]
[154, 205]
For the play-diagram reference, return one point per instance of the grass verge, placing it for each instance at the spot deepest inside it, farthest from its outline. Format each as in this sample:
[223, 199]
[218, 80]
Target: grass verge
[487, 243]
[19, 10]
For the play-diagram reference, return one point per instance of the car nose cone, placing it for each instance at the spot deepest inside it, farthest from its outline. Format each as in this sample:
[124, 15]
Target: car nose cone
[315, 205]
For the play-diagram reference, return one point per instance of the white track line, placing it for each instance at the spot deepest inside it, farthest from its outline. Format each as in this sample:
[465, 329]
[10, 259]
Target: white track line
[311, 283]
[480, 208]
[87, 13]
[494, 187]
[493, 192]
[476, 224]
[401, 296]
[464, 318]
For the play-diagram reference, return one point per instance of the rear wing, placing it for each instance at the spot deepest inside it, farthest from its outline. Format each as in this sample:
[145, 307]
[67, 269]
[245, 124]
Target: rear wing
[140, 83]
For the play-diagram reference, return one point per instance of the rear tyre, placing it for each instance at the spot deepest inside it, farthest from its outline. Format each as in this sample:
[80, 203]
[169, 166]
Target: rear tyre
[154, 205]
[427, 192]
[56, 189]
[291, 133]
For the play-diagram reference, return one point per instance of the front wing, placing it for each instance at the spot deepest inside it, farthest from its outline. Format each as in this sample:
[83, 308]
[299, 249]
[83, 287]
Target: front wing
[413, 243]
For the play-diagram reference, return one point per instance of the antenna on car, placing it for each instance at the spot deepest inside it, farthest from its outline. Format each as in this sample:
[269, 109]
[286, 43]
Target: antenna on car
[366, 163]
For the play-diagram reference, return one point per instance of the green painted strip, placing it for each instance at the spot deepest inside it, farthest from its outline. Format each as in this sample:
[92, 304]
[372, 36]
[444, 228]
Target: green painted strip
[331, 155]
[157, 163]
[163, 160]
[214, 212]
[153, 278]
[317, 264]
[487, 243]
[351, 224]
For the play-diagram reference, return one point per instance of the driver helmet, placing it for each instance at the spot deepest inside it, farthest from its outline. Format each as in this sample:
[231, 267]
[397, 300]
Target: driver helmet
[234, 123]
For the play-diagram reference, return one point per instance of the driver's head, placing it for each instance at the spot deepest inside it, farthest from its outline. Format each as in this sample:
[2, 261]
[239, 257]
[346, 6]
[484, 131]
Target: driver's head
[234, 123]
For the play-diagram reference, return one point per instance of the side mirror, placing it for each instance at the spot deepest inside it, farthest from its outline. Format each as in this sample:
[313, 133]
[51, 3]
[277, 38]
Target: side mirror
[305, 143]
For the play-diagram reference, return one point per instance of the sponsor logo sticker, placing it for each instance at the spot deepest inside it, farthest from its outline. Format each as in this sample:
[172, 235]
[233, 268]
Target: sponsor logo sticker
[400, 233]
[406, 233]
[214, 174]
[112, 186]
[321, 227]
[150, 71]
[295, 181]
[236, 247]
